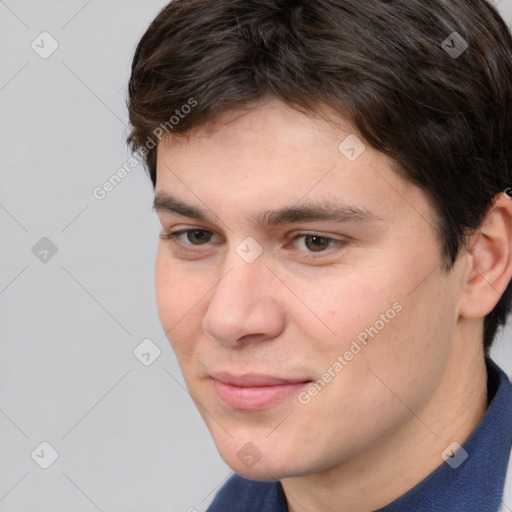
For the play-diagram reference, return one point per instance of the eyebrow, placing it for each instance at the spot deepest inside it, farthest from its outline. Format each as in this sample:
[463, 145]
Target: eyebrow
[300, 212]
[168, 204]
[311, 212]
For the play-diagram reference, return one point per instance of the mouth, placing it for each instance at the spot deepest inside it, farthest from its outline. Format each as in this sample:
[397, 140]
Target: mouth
[255, 391]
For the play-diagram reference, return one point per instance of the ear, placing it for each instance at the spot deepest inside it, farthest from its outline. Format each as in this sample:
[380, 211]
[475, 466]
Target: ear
[489, 268]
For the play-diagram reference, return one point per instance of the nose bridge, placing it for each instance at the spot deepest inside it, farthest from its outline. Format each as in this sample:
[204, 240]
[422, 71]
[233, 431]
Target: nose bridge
[241, 284]
[242, 303]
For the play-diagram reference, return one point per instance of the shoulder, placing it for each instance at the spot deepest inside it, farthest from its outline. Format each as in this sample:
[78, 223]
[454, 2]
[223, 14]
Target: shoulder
[242, 495]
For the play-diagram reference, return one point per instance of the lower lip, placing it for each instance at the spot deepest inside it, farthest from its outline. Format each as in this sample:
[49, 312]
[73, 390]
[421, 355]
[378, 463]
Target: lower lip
[254, 398]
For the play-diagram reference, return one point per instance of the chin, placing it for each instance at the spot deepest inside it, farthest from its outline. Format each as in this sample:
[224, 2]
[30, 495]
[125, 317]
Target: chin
[266, 465]
[261, 471]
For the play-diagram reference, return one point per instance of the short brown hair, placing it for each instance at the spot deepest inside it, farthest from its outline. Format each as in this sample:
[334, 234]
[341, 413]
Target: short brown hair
[384, 65]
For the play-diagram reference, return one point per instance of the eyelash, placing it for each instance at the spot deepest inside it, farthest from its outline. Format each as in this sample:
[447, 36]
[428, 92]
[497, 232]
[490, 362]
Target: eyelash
[338, 244]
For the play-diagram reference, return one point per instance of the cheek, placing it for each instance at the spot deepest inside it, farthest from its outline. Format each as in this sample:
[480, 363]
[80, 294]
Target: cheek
[336, 308]
[178, 297]
[381, 309]
[409, 353]
[166, 287]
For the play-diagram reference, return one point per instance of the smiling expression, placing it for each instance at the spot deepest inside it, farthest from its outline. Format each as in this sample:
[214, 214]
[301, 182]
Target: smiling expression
[277, 251]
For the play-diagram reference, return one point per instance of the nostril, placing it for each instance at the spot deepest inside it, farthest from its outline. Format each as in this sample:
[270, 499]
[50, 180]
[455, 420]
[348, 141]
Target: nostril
[252, 337]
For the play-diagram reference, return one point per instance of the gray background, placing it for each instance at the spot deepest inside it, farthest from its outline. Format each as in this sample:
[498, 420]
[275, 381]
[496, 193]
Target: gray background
[127, 435]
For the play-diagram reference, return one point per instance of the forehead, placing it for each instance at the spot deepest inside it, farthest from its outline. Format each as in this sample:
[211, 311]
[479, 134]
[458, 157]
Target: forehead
[274, 157]
[272, 125]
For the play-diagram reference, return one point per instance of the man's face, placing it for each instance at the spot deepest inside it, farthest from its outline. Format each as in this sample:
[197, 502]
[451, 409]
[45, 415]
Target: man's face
[306, 304]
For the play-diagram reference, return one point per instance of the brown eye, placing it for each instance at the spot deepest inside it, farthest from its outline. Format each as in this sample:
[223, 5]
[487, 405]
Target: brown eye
[316, 243]
[199, 236]
[190, 236]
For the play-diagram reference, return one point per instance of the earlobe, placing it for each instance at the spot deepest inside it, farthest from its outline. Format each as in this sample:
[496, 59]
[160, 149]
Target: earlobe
[490, 257]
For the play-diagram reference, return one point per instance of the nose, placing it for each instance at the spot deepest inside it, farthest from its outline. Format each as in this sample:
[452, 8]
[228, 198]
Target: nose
[244, 307]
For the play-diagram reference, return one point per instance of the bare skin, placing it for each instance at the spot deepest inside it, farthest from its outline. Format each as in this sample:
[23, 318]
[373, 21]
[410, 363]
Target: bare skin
[380, 424]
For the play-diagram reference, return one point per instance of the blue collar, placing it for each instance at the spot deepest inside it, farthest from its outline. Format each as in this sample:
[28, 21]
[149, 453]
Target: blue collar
[476, 485]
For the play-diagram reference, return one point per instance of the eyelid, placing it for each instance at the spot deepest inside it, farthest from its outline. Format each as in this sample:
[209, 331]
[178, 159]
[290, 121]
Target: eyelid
[339, 242]
[173, 234]
[313, 232]
[319, 234]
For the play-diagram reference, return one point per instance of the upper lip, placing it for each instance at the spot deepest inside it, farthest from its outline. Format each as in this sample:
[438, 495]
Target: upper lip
[254, 380]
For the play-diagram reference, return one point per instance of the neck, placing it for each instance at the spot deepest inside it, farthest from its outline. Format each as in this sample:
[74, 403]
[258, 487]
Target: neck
[388, 470]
